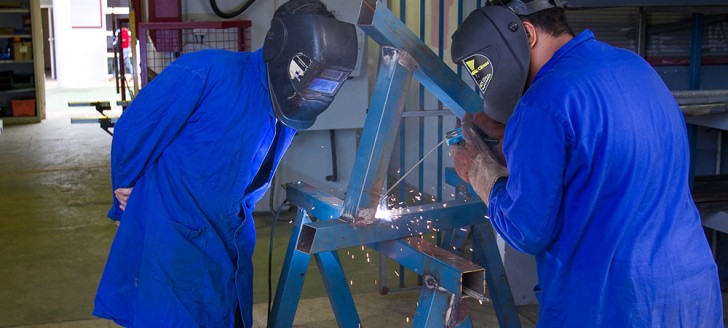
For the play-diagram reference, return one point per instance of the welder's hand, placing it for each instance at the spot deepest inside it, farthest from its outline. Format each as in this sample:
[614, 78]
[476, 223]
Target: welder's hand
[464, 153]
[483, 174]
[462, 157]
[492, 128]
[122, 195]
[485, 168]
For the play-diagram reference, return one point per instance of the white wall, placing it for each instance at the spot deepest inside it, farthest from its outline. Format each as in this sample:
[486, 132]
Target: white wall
[80, 52]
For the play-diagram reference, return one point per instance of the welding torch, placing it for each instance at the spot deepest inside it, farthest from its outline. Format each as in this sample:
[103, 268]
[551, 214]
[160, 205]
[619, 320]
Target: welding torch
[455, 137]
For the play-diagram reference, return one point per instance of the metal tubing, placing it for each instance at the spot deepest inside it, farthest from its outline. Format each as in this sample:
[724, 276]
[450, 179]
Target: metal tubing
[318, 204]
[438, 308]
[96, 120]
[427, 113]
[438, 78]
[290, 283]
[380, 131]
[431, 307]
[456, 239]
[453, 273]
[338, 289]
[702, 102]
[641, 32]
[696, 45]
[440, 123]
[486, 249]
[334, 167]
[694, 97]
[329, 235]
[719, 152]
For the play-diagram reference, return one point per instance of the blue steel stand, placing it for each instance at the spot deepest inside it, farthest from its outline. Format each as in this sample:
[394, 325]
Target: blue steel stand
[447, 277]
[293, 275]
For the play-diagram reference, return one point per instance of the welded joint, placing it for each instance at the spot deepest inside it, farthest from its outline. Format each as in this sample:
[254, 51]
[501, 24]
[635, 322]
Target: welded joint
[457, 311]
[430, 282]
[401, 56]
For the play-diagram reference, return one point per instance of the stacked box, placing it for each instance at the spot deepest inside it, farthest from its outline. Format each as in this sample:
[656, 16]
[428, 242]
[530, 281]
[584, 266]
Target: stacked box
[23, 50]
[24, 107]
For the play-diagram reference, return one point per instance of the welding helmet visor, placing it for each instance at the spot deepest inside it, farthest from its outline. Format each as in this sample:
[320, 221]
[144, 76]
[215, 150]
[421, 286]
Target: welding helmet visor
[493, 47]
[308, 58]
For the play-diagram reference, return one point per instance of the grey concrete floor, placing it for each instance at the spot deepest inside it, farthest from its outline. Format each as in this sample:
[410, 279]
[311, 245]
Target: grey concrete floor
[54, 235]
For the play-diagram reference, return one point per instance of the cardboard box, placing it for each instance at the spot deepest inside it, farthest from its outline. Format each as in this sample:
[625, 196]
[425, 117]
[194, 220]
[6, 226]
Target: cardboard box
[22, 50]
[6, 4]
[23, 107]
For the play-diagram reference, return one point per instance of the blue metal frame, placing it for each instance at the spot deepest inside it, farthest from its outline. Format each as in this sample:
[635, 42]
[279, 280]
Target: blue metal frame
[438, 78]
[435, 300]
[450, 277]
[329, 235]
[453, 273]
[488, 254]
[338, 290]
[290, 283]
[293, 275]
[380, 127]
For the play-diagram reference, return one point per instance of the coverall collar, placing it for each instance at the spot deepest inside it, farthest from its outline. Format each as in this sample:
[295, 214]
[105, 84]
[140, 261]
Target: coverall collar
[584, 36]
[262, 71]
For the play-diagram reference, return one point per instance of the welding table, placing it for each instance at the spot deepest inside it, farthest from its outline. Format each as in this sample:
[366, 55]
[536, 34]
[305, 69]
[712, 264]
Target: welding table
[105, 122]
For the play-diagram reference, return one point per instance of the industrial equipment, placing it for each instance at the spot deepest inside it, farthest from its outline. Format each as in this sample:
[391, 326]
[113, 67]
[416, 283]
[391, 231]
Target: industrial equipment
[325, 223]
[105, 122]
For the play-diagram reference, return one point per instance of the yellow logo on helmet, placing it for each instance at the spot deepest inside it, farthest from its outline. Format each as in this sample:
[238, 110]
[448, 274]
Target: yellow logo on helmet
[481, 70]
[473, 70]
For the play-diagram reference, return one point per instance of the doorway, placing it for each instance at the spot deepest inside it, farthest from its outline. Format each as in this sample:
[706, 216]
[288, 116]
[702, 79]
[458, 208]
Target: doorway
[49, 45]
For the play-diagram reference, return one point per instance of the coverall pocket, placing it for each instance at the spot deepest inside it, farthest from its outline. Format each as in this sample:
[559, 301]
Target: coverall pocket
[181, 255]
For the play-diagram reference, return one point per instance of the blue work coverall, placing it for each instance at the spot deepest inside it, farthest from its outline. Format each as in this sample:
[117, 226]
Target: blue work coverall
[199, 144]
[598, 191]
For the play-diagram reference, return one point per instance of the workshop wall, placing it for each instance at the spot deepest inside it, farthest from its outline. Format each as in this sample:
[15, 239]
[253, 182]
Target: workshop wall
[80, 44]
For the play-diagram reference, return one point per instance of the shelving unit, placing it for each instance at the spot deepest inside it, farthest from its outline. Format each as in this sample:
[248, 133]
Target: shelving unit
[26, 75]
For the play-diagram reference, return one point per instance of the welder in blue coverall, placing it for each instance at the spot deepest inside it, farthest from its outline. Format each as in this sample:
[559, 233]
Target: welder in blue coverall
[199, 146]
[596, 181]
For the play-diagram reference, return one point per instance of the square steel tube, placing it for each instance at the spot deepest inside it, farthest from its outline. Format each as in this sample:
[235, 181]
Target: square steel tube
[330, 235]
[380, 132]
[318, 204]
[387, 30]
[452, 272]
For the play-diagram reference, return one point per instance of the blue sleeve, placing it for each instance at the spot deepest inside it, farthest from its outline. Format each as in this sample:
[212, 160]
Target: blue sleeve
[524, 208]
[150, 123]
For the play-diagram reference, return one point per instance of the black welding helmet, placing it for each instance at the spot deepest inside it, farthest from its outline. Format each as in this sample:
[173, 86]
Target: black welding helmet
[493, 47]
[308, 57]
[525, 8]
